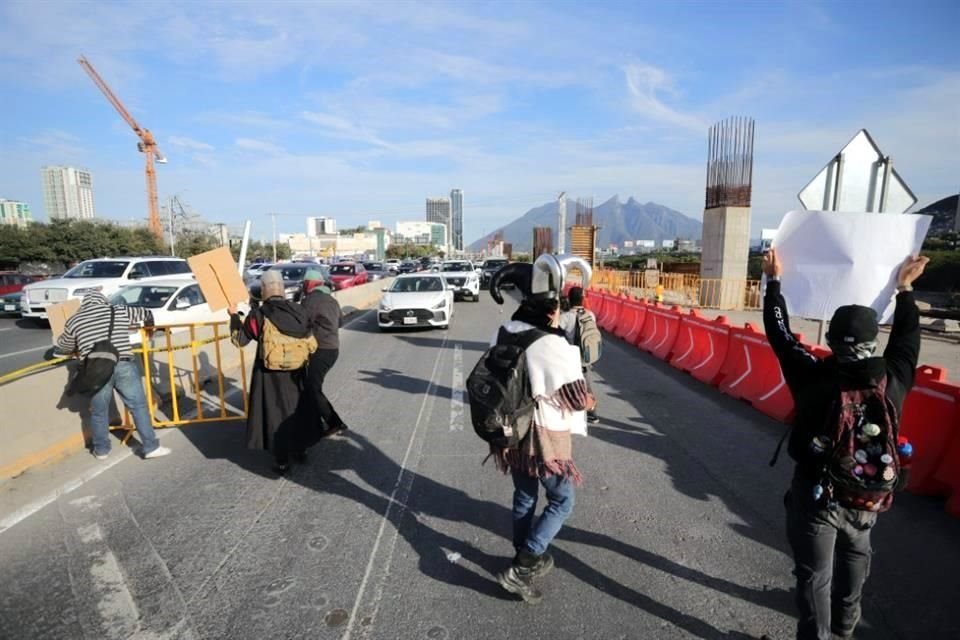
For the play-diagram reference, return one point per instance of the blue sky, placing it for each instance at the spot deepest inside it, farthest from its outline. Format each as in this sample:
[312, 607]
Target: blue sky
[361, 110]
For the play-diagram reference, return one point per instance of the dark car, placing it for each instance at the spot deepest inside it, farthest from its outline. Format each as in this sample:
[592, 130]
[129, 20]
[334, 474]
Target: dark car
[376, 270]
[409, 266]
[490, 267]
[292, 273]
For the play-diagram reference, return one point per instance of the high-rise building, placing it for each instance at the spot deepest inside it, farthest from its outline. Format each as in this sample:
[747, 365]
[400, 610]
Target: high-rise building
[438, 210]
[321, 226]
[456, 213]
[15, 213]
[67, 193]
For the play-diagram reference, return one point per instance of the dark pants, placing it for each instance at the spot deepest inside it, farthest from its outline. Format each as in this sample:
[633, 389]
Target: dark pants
[532, 534]
[831, 552]
[321, 361]
[586, 377]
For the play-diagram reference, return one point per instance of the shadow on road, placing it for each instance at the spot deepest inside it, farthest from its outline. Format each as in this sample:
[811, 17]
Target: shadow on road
[399, 381]
[922, 599]
[420, 500]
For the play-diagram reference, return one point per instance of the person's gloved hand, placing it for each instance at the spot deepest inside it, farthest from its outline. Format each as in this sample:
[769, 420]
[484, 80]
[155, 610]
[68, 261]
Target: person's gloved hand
[50, 354]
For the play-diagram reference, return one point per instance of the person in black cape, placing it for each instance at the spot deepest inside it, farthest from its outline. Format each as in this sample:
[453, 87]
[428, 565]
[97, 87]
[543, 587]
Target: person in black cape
[274, 422]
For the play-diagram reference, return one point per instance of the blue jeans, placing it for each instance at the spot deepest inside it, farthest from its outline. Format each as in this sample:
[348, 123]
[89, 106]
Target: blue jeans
[127, 381]
[535, 537]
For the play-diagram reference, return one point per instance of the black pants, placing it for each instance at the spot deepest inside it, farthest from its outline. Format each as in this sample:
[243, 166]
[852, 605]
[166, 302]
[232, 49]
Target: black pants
[321, 361]
[831, 553]
[586, 376]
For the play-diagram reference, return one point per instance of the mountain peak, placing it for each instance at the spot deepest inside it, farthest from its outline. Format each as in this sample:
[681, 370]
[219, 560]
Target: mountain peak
[618, 222]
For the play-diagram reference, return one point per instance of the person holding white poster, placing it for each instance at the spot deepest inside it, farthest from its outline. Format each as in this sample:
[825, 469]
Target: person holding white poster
[844, 440]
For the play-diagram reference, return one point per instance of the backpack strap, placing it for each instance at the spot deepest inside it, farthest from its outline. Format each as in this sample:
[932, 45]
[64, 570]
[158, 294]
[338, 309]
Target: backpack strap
[776, 454]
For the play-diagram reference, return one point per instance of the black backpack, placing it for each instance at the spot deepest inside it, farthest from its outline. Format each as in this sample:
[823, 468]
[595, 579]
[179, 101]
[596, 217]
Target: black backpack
[97, 367]
[501, 403]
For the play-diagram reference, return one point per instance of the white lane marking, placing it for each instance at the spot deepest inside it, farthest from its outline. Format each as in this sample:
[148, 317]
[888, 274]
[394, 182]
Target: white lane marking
[457, 390]
[9, 329]
[31, 508]
[403, 478]
[20, 353]
[117, 612]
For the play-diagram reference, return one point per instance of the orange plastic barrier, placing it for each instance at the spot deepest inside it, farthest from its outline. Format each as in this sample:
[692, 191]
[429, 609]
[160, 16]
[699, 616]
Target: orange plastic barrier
[627, 318]
[638, 308]
[752, 373]
[701, 346]
[948, 473]
[611, 312]
[593, 301]
[660, 331]
[930, 421]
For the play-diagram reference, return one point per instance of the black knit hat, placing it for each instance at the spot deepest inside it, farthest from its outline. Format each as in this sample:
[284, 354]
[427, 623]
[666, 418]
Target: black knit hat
[853, 324]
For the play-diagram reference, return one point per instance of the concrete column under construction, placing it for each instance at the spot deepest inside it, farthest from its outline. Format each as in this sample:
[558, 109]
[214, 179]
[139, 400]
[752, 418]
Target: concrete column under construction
[726, 248]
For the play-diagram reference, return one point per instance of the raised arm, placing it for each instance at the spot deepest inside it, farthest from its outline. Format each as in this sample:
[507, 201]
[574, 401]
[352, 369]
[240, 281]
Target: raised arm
[903, 347]
[797, 363]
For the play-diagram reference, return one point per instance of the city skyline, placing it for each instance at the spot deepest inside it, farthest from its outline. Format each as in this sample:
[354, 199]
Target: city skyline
[511, 124]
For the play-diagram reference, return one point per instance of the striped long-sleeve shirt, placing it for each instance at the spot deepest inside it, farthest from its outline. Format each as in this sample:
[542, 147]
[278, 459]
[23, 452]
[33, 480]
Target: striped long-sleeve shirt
[90, 323]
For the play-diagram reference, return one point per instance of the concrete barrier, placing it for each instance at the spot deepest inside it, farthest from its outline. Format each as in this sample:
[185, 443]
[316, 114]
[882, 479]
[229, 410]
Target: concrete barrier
[41, 424]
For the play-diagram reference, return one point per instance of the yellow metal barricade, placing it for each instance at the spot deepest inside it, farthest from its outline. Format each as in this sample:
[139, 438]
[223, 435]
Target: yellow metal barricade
[179, 361]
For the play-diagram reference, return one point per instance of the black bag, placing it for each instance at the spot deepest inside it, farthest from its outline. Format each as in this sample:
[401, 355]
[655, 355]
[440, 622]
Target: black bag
[97, 367]
[501, 403]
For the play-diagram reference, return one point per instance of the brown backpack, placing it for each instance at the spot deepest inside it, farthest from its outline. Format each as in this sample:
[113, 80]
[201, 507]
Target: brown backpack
[282, 352]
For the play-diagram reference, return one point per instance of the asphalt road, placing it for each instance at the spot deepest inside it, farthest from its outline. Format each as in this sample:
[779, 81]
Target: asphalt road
[22, 342]
[396, 530]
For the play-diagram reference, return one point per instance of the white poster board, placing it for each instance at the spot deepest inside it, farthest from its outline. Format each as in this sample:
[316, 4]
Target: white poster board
[832, 258]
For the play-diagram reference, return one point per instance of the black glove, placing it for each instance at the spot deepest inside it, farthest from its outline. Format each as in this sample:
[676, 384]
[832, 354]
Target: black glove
[50, 354]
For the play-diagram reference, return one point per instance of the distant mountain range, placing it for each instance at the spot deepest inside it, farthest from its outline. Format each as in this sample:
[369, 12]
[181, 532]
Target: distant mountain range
[944, 212]
[618, 221]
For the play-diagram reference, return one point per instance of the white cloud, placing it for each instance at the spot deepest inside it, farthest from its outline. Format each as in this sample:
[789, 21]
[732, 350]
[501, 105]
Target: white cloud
[189, 143]
[644, 83]
[259, 146]
[342, 128]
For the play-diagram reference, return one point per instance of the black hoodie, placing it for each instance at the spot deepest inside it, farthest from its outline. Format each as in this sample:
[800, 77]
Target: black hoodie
[816, 382]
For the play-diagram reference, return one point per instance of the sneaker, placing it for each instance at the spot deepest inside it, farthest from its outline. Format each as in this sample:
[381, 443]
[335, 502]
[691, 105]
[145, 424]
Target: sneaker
[159, 452]
[518, 581]
[101, 455]
[593, 418]
[542, 567]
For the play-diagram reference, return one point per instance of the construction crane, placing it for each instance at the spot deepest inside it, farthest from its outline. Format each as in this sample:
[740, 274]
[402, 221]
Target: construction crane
[146, 146]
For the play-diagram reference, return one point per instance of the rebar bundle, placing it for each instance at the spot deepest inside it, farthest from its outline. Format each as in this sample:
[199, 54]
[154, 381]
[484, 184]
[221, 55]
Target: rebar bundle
[584, 212]
[730, 163]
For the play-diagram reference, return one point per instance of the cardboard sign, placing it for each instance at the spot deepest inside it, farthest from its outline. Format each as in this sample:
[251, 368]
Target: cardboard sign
[216, 273]
[59, 313]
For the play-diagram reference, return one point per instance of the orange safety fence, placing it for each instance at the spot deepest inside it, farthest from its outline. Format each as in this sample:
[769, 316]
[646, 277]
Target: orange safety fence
[683, 288]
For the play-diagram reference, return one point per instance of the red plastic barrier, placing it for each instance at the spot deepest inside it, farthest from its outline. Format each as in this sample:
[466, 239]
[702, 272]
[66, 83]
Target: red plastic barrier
[639, 308]
[660, 331]
[930, 421]
[611, 312]
[752, 373]
[701, 346]
[628, 317]
[593, 301]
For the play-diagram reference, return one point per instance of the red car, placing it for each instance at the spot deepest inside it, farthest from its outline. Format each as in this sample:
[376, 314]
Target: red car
[347, 274]
[11, 281]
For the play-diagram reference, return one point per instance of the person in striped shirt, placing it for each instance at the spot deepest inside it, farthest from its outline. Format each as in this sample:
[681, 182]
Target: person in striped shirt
[89, 325]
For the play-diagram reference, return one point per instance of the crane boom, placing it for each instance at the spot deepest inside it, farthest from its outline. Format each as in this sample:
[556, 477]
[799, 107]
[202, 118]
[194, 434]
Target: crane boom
[147, 146]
